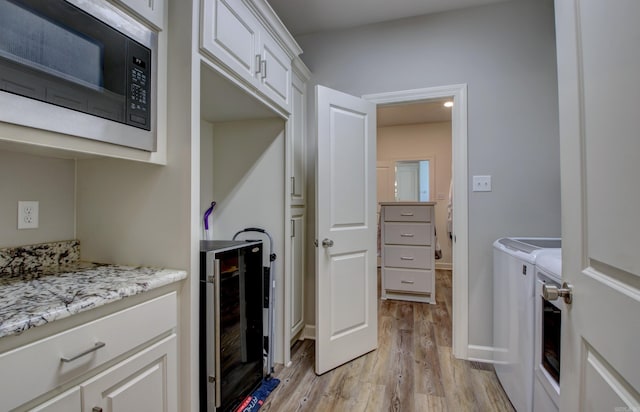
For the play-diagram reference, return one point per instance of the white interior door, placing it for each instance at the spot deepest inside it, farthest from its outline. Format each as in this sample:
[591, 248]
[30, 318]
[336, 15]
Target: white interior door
[346, 277]
[599, 96]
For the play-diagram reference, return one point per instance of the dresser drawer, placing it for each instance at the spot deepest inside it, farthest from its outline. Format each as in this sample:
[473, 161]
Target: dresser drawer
[407, 234]
[38, 367]
[406, 280]
[409, 213]
[416, 257]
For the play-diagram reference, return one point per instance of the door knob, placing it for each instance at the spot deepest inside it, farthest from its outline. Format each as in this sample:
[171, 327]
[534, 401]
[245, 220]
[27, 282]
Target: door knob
[327, 243]
[553, 292]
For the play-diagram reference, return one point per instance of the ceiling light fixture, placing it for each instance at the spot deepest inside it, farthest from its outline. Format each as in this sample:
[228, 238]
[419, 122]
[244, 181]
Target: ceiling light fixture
[448, 104]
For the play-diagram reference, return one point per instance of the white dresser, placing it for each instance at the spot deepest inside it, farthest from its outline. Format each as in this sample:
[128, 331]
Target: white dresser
[407, 242]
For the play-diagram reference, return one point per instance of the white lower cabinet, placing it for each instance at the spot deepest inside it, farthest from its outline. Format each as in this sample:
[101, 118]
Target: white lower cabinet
[144, 382]
[124, 361]
[68, 401]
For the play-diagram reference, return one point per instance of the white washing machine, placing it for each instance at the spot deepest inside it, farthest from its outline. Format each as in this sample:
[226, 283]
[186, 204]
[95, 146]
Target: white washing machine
[547, 331]
[514, 262]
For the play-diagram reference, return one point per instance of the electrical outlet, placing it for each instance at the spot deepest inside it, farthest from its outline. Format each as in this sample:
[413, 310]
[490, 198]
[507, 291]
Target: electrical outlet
[28, 214]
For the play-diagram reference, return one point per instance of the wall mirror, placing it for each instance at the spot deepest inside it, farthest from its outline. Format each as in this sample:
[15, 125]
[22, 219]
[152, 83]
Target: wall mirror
[412, 180]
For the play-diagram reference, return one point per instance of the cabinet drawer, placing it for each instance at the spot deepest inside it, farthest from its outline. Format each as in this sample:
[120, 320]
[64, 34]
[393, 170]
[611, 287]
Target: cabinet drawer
[416, 257]
[40, 363]
[413, 213]
[407, 233]
[404, 280]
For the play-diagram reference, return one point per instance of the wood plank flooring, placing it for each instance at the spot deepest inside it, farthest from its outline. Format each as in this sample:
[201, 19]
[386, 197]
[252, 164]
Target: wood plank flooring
[413, 368]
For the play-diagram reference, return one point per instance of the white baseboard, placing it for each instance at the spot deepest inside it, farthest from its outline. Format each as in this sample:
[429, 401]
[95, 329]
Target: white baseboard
[309, 332]
[444, 266]
[479, 353]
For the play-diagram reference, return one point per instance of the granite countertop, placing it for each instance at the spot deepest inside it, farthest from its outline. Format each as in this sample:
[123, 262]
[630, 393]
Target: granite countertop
[34, 291]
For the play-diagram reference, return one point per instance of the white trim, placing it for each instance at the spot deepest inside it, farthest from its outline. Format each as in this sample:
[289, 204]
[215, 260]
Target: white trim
[460, 203]
[479, 353]
[309, 332]
[444, 266]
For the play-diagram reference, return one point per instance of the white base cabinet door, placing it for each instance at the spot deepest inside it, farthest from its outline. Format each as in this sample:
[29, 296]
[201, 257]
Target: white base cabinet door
[68, 401]
[145, 382]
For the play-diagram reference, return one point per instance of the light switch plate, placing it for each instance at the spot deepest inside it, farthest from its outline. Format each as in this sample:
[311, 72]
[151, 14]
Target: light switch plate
[481, 183]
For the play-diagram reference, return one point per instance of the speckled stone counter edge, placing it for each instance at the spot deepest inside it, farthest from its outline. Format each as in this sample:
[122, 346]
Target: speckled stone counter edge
[33, 258]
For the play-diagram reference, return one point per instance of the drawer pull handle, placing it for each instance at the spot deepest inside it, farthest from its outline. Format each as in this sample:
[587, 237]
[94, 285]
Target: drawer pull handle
[97, 346]
[406, 235]
[96, 409]
[409, 282]
[406, 257]
[406, 214]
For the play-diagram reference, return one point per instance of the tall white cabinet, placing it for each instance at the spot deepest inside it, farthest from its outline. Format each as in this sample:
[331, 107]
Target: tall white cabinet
[298, 198]
[408, 251]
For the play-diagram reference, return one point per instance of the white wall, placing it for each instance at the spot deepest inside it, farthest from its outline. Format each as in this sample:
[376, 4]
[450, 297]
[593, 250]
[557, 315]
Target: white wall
[242, 169]
[422, 141]
[505, 53]
[48, 180]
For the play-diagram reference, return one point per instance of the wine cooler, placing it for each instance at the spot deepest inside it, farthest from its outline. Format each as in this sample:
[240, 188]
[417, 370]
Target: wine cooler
[231, 332]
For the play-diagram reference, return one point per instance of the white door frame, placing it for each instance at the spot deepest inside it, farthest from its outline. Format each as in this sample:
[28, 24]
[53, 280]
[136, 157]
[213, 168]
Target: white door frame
[460, 203]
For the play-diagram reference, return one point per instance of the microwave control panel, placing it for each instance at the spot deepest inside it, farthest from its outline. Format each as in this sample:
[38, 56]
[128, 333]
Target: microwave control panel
[138, 86]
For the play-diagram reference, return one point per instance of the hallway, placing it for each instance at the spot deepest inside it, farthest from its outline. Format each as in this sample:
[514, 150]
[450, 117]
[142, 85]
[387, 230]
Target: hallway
[413, 368]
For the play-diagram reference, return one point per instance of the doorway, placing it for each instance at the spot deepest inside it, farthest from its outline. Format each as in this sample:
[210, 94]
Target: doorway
[459, 230]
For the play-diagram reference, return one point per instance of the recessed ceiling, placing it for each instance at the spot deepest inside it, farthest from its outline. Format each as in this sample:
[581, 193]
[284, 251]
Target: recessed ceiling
[413, 113]
[310, 16]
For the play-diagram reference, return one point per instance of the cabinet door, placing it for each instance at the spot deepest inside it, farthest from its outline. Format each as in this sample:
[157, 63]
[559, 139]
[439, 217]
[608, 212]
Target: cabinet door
[145, 382]
[150, 10]
[68, 401]
[275, 71]
[298, 140]
[297, 257]
[230, 34]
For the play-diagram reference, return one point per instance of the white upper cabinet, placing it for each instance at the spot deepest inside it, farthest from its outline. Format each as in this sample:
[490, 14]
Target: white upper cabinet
[230, 35]
[249, 40]
[153, 11]
[275, 71]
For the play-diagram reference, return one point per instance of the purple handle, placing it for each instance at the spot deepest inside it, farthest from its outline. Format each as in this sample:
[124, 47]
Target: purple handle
[206, 215]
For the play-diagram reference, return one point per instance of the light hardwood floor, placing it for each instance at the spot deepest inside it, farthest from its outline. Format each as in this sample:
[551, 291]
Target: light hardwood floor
[413, 368]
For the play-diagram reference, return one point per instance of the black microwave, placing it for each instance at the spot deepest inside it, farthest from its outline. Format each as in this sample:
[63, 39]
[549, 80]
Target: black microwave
[88, 57]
